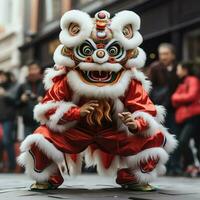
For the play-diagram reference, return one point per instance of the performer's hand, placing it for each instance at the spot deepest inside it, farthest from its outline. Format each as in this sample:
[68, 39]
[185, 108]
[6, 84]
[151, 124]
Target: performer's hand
[128, 120]
[24, 98]
[39, 99]
[88, 107]
[2, 91]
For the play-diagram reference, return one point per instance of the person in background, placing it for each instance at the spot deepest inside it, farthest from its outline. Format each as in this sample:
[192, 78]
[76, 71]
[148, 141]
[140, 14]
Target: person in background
[7, 119]
[186, 101]
[162, 74]
[29, 94]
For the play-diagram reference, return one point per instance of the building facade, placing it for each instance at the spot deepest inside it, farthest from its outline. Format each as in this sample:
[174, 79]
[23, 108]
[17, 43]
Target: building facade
[11, 34]
[175, 21]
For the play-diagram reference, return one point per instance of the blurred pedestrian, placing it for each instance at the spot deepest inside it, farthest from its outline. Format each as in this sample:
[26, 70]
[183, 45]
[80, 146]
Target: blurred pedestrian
[7, 118]
[186, 100]
[29, 94]
[162, 73]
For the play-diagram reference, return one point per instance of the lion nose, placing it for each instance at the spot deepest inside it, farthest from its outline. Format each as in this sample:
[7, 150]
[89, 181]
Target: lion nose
[100, 53]
[100, 56]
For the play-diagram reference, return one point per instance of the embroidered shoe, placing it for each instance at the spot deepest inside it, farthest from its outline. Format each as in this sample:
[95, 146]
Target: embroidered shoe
[139, 187]
[42, 186]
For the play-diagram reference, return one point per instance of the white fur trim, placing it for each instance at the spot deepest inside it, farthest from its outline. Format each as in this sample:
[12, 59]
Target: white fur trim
[134, 162]
[41, 108]
[138, 75]
[154, 153]
[161, 113]
[74, 167]
[122, 19]
[49, 74]
[83, 20]
[171, 142]
[139, 61]
[118, 107]
[44, 145]
[153, 125]
[94, 159]
[148, 177]
[62, 60]
[111, 91]
[113, 67]
[52, 122]
[126, 17]
[161, 170]
[70, 168]
[26, 160]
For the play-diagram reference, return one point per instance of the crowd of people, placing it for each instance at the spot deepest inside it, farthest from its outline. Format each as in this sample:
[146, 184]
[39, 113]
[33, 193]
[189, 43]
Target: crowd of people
[17, 100]
[176, 86]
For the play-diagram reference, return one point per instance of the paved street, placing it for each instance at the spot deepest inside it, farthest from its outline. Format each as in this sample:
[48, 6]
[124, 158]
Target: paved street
[94, 187]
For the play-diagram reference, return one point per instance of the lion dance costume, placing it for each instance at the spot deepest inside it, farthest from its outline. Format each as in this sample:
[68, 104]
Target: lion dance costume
[97, 60]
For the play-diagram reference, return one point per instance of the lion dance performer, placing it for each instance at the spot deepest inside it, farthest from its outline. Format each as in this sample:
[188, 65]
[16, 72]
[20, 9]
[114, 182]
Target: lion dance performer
[97, 107]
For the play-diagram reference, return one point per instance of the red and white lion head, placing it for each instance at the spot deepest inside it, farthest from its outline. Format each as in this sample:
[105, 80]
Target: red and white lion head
[100, 53]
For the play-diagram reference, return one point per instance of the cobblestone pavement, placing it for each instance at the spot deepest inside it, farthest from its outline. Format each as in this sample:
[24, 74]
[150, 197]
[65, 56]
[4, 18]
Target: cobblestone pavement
[16, 186]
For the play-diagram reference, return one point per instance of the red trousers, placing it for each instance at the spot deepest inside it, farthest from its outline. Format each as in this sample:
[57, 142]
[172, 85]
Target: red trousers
[109, 141]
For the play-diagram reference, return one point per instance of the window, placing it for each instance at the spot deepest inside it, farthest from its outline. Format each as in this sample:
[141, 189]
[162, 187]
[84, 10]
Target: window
[191, 49]
[6, 12]
[52, 10]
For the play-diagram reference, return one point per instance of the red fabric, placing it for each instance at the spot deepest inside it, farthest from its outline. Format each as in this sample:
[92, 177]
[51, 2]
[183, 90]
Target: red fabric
[114, 142]
[59, 92]
[106, 159]
[148, 166]
[107, 139]
[136, 99]
[50, 112]
[125, 176]
[142, 124]
[72, 114]
[186, 99]
[56, 179]
[41, 161]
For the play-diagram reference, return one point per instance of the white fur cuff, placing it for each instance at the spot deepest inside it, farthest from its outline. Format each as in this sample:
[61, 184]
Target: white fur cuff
[153, 125]
[44, 145]
[61, 107]
[49, 75]
[134, 163]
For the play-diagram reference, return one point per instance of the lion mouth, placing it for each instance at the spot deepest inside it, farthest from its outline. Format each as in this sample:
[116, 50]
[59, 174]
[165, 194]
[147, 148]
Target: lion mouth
[99, 77]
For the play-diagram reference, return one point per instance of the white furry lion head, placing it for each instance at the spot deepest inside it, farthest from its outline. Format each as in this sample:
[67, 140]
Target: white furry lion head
[99, 52]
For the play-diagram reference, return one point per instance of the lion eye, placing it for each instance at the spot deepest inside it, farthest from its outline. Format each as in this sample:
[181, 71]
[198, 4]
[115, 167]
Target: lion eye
[113, 51]
[85, 49]
[128, 31]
